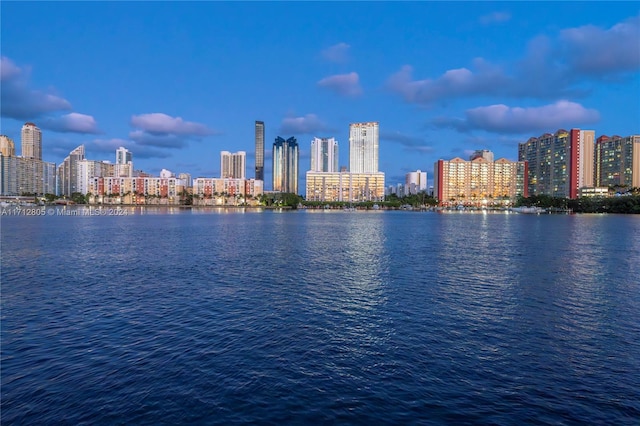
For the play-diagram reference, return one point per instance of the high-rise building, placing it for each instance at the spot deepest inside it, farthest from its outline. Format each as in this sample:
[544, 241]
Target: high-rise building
[123, 156]
[31, 141]
[233, 165]
[19, 176]
[7, 147]
[69, 172]
[559, 164]
[479, 181]
[26, 174]
[124, 163]
[88, 169]
[363, 147]
[344, 186]
[187, 179]
[482, 153]
[363, 182]
[617, 161]
[324, 155]
[416, 182]
[259, 132]
[285, 165]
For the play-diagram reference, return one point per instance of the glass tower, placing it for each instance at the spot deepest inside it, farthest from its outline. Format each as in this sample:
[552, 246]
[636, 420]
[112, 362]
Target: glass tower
[285, 165]
[259, 127]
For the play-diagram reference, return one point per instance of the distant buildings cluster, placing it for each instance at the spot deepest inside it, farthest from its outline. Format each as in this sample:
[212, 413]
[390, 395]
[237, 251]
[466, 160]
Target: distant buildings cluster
[564, 164]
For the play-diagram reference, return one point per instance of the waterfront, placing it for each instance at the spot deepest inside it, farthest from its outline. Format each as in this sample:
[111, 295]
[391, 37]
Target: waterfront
[224, 316]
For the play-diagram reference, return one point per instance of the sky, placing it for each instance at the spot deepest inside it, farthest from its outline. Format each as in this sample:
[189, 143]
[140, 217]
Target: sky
[176, 83]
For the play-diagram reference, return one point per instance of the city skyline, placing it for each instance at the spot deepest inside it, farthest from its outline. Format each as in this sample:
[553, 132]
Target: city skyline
[176, 93]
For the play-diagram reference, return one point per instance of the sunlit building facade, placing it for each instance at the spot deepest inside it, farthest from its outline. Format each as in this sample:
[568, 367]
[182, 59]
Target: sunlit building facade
[31, 141]
[344, 186]
[7, 147]
[415, 182]
[617, 161]
[26, 174]
[479, 182]
[136, 190]
[285, 165]
[233, 165]
[559, 164]
[214, 191]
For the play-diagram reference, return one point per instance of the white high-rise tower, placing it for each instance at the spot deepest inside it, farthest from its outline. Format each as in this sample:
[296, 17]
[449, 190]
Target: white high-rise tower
[363, 147]
[324, 155]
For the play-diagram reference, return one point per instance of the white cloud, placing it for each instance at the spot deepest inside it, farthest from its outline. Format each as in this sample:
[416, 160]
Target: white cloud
[594, 50]
[551, 68]
[495, 18]
[343, 84]
[309, 124]
[504, 119]
[158, 122]
[72, 123]
[338, 53]
[19, 101]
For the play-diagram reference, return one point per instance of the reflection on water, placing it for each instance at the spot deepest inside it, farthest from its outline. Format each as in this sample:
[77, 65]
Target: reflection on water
[294, 317]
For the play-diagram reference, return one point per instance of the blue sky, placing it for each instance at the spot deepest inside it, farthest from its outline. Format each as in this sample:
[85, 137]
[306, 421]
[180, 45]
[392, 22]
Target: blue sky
[176, 83]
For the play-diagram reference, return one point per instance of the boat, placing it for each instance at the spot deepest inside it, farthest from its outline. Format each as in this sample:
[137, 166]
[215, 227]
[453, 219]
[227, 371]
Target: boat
[528, 210]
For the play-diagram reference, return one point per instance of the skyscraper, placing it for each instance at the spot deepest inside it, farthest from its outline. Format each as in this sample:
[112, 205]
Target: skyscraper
[617, 161]
[233, 165]
[123, 156]
[68, 172]
[559, 164]
[7, 147]
[259, 128]
[285, 165]
[31, 141]
[124, 163]
[363, 147]
[324, 155]
[363, 182]
[416, 182]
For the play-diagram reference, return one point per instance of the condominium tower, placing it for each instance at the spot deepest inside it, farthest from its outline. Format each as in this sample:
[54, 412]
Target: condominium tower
[7, 147]
[259, 132]
[415, 182]
[31, 141]
[617, 161]
[363, 147]
[233, 165]
[559, 164]
[479, 181]
[68, 172]
[124, 163]
[363, 182]
[285, 165]
[324, 155]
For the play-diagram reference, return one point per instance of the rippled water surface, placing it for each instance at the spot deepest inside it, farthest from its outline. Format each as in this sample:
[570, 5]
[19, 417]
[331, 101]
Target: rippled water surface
[320, 317]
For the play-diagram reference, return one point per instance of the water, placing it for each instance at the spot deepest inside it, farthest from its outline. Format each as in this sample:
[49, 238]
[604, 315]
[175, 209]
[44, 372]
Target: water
[320, 317]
